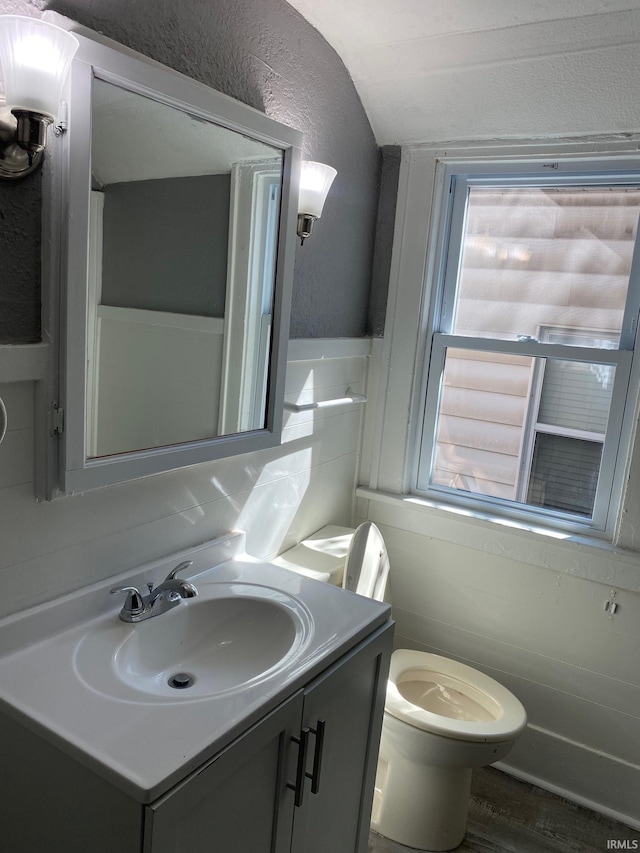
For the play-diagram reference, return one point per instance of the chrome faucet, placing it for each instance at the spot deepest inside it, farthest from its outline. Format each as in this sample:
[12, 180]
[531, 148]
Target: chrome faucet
[138, 607]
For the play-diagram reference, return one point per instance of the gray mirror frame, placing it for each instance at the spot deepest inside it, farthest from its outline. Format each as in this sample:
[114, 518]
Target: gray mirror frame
[77, 471]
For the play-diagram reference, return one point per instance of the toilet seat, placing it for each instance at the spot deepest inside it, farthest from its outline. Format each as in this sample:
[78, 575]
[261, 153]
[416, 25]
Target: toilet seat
[504, 715]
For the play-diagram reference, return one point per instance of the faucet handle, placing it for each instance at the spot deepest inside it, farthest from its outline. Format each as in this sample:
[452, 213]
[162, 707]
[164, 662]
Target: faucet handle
[133, 603]
[172, 574]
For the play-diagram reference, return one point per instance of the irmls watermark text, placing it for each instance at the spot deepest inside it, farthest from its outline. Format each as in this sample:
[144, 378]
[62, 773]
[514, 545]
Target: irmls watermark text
[622, 844]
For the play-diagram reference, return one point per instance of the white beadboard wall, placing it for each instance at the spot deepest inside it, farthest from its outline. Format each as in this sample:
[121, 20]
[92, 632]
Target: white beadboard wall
[277, 496]
[143, 359]
[544, 635]
[457, 590]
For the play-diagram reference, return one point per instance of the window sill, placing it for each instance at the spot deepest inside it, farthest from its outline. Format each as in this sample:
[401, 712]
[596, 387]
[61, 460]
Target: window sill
[581, 556]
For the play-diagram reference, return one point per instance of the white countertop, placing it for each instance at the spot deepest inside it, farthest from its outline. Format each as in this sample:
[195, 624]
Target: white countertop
[144, 745]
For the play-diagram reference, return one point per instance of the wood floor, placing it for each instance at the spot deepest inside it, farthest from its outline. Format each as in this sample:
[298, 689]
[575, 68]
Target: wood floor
[509, 816]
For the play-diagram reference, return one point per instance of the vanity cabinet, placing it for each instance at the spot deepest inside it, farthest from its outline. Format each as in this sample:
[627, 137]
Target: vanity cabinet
[301, 780]
[236, 802]
[343, 711]
[298, 781]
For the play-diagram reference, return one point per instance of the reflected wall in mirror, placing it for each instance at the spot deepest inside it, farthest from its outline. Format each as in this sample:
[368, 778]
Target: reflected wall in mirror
[176, 286]
[183, 238]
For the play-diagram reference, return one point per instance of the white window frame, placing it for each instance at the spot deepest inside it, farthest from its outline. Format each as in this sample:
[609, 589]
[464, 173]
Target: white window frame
[394, 421]
[458, 180]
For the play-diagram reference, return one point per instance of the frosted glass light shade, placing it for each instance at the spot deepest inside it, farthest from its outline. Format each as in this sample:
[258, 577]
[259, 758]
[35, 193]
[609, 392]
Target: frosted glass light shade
[315, 182]
[35, 57]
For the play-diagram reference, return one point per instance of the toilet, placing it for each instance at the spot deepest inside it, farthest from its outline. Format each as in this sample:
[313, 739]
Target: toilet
[441, 719]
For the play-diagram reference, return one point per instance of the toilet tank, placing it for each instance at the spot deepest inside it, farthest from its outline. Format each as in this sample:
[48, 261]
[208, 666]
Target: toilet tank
[321, 556]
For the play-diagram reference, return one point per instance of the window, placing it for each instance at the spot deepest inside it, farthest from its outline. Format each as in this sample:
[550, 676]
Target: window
[531, 342]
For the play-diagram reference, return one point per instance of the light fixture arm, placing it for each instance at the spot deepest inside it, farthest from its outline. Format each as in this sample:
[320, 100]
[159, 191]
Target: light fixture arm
[305, 226]
[22, 141]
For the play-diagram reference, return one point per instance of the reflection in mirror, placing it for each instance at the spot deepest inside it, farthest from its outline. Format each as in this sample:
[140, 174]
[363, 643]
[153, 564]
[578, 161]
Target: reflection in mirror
[184, 220]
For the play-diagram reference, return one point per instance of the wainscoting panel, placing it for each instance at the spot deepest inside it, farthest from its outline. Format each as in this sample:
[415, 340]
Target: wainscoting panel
[546, 636]
[16, 450]
[277, 496]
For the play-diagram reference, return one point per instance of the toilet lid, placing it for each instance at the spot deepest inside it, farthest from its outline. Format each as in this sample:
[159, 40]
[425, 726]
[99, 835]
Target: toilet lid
[367, 564]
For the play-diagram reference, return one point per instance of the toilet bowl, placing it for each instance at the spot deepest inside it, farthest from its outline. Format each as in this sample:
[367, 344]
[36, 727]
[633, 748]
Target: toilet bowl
[441, 719]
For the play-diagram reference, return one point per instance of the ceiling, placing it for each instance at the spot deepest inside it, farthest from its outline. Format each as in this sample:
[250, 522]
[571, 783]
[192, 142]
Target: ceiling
[434, 70]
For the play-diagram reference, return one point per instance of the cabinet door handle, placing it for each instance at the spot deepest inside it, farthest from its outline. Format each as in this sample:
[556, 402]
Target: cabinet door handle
[298, 787]
[317, 756]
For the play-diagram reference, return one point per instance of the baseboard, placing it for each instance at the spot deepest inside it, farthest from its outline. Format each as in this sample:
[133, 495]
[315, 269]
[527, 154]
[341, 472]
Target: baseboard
[595, 780]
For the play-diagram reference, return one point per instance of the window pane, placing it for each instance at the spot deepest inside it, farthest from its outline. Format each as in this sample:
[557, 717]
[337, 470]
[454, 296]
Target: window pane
[487, 442]
[482, 415]
[576, 395]
[535, 257]
[564, 473]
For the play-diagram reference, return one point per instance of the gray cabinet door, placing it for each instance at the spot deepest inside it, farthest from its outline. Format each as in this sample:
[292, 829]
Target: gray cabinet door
[343, 711]
[238, 802]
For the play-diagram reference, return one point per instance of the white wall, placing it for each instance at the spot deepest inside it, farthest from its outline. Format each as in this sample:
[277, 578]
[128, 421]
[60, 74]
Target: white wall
[278, 496]
[542, 633]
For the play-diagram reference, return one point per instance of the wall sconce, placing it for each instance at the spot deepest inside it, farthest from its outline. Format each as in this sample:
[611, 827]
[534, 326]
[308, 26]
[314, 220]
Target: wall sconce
[35, 57]
[315, 181]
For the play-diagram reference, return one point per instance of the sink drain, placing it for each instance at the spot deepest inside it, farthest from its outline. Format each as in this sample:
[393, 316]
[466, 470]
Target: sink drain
[181, 680]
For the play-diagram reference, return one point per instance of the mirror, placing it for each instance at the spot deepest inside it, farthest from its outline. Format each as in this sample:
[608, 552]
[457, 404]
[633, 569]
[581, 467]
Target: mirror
[183, 235]
[180, 233]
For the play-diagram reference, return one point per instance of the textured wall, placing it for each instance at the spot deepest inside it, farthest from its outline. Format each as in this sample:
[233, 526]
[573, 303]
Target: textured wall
[165, 244]
[20, 239]
[386, 220]
[265, 54]
[20, 261]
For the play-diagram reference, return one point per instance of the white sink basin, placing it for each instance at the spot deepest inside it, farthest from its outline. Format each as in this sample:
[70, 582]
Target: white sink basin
[241, 635]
